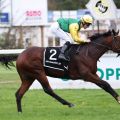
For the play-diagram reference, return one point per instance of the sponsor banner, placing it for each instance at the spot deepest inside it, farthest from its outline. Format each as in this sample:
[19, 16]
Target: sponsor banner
[4, 18]
[102, 9]
[109, 68]
[29, 12]
[5, 13]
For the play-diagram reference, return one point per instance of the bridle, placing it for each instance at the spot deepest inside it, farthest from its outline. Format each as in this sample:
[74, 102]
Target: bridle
[99, 44]
[114, 43]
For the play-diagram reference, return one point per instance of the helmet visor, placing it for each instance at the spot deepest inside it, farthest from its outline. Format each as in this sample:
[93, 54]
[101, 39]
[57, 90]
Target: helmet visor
[87, 24]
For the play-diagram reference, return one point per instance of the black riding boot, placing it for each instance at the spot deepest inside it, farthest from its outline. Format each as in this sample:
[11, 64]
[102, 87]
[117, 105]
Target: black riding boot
[62, 53]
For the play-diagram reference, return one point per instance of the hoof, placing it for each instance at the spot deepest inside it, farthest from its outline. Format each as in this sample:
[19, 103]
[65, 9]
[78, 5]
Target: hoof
[19, 113]
[71, 105]
[118, 99]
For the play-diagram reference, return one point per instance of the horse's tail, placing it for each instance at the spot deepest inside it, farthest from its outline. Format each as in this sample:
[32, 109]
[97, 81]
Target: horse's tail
[7, 60]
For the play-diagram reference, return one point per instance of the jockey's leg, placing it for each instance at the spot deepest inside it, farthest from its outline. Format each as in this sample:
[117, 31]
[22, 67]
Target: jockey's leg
[55, 28]
[58, 32]
[64, 48]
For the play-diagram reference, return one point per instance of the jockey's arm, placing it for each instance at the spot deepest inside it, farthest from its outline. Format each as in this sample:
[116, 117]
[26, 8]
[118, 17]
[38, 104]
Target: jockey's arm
[75, 33]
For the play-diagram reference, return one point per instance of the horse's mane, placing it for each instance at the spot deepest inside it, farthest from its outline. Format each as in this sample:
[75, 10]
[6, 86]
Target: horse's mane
[97, 35]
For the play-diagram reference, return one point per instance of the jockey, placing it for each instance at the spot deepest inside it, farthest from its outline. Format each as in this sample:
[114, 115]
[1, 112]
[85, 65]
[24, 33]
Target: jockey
[63, 26]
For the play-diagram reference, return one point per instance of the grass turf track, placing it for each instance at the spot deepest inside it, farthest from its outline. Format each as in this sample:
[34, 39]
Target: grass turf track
[90, 104]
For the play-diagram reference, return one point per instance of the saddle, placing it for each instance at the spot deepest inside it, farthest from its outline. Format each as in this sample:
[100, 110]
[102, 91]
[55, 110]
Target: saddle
[51, 57]
[73, 49]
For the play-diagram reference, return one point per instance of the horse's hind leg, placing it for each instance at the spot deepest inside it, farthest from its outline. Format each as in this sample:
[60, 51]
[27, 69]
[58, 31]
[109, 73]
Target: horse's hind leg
[21, 91]
[46, 86]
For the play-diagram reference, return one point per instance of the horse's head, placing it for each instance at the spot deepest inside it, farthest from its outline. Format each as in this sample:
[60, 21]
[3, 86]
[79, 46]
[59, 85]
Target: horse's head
[115, 45]
[109, 40]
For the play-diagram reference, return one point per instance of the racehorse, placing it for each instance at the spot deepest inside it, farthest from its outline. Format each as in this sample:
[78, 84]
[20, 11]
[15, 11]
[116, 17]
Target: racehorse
[83, 65]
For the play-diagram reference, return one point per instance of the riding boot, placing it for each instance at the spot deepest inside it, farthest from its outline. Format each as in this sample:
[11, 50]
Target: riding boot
[62, 52]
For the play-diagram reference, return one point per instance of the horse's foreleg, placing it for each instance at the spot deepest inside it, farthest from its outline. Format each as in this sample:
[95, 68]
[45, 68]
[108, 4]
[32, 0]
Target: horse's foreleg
[21, 91]
[46, 86]
[106, 86]
[102, 84]
[50, 92]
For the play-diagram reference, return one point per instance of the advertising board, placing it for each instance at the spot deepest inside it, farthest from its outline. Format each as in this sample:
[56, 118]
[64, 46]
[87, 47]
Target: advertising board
[5, 13]
[23, 12]
[29, 12]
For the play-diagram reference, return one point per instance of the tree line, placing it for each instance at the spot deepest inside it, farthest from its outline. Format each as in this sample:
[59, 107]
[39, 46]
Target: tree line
[71, 4]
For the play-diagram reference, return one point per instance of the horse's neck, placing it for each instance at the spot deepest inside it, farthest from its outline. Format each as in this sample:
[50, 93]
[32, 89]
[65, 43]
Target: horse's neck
[100, 52]
[98, 49]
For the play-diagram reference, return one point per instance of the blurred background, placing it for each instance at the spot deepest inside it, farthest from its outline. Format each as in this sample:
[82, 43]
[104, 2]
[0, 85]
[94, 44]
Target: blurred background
[24, 24]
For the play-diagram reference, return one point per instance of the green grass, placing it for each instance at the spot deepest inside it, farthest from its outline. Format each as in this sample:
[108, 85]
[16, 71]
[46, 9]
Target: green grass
[90, 104]
[8, 74]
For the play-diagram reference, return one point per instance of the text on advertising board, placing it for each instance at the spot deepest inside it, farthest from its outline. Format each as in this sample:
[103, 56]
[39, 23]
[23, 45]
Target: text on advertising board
[33, 13]
[108, 73]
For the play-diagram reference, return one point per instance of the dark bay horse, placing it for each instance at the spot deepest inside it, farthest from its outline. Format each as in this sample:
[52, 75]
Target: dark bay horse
[82, 66]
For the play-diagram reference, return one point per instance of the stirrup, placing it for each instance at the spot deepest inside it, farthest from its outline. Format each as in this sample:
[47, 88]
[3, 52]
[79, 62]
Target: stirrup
[62, 57]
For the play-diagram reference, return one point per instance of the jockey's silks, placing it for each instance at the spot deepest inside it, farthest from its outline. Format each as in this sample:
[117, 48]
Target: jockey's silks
[71, 26]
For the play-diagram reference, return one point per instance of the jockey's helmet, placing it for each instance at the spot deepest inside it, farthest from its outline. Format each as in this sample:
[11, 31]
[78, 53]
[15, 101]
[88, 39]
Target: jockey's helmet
[87, 19]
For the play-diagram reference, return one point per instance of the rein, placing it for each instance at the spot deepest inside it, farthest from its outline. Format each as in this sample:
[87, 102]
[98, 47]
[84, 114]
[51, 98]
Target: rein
[114, 42]
[101, 45]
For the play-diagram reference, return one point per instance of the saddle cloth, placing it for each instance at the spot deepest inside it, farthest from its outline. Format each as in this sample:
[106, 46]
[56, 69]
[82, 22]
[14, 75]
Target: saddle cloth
[51, 59]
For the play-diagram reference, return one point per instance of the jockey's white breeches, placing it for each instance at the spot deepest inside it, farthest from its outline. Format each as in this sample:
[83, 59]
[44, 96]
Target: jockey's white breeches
[58, 32]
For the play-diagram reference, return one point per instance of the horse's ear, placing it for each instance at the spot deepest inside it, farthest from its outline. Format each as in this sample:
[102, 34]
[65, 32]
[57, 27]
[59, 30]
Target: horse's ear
[117, 32]
[114, 32]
